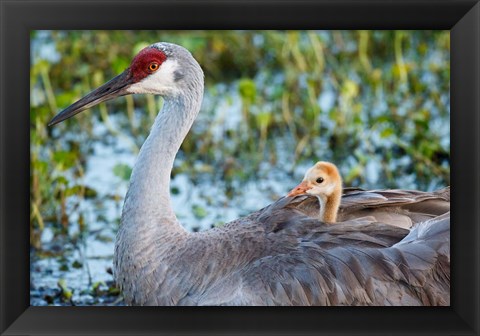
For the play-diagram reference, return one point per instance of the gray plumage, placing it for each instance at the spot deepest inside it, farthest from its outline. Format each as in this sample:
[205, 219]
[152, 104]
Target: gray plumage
[402, 208]
[280, 256]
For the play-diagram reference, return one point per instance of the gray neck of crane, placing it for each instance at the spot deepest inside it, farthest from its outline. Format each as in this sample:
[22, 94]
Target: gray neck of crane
[148, 199]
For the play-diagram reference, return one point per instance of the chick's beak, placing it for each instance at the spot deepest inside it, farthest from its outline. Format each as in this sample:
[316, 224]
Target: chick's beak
[114, 88]
[300, 189]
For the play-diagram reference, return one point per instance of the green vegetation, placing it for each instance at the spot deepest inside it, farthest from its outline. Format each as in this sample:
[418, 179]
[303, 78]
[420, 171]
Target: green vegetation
[374, 102]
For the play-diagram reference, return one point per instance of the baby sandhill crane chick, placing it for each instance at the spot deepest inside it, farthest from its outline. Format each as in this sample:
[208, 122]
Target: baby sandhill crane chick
[324, 181]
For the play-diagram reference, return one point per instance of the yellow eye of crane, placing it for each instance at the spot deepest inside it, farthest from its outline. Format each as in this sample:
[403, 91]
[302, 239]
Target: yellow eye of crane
[153, 66]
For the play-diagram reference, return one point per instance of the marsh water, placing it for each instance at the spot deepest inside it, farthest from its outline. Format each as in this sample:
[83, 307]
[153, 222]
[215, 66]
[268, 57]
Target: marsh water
[374, 103]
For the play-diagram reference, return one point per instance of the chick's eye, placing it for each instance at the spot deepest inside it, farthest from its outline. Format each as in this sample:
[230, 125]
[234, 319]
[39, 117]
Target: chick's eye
[153, 66]
[320, 180]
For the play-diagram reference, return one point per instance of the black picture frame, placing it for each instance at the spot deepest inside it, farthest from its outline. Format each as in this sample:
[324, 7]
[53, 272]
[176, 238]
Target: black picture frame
[18, 17]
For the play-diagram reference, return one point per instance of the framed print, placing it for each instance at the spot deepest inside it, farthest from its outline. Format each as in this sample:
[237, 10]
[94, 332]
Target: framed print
[382, 95]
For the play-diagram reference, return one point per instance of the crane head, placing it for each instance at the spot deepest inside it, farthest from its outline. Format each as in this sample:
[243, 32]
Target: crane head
[154, 70]
[323, 179]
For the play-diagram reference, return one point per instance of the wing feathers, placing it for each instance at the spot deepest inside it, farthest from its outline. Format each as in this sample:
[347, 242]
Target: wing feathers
[282, 255]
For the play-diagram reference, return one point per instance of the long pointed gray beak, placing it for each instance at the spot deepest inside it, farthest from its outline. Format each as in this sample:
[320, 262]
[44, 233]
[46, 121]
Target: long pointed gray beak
[116, 87]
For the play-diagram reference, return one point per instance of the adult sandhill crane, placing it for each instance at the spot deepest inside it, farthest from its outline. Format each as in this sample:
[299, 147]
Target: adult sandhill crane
[275, 256]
